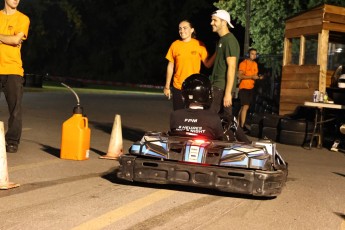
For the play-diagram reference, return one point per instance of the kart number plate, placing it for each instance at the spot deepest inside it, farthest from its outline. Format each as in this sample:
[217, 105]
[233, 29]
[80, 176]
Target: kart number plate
[194, 153]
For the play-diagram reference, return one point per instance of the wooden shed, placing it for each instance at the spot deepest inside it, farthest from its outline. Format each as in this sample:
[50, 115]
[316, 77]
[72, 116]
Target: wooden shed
[314, 46]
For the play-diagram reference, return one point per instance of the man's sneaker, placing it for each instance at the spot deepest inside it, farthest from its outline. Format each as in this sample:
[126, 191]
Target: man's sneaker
[335, 146]
[11, 148]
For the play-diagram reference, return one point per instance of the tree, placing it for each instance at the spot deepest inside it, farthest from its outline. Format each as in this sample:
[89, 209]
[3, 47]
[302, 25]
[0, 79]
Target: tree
[53, 27]
[123, 41]
[150, 29]
[267, 19]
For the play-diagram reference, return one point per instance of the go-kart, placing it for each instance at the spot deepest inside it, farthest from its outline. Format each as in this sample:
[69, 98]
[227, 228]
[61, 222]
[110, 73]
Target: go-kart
[164, 158]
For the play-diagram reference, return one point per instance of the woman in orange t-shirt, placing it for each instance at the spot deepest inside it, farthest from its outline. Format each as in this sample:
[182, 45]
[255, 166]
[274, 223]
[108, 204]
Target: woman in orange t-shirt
[185, 56]
[248, 73]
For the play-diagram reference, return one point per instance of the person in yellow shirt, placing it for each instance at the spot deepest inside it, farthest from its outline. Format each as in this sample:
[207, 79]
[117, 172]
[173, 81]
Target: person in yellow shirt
[248, 73]
[185, 56]
[14, 27]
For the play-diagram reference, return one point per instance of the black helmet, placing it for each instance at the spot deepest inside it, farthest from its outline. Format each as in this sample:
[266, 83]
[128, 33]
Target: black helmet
[197, 88]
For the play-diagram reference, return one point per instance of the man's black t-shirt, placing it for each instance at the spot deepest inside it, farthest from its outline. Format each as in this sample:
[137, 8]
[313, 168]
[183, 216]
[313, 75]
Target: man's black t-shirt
[202, 122]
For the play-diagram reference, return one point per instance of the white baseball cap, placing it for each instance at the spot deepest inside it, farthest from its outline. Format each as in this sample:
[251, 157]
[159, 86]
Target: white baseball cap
[223, 14]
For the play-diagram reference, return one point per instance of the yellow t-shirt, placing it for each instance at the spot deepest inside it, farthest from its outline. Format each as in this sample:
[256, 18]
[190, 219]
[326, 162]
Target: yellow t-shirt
[10, 57]
[187, 57]
[249, 68]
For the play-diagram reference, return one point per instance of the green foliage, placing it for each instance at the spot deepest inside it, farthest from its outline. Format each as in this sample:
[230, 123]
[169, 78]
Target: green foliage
[108, 40]
[267, 22]
[54, 25]
[141, 47]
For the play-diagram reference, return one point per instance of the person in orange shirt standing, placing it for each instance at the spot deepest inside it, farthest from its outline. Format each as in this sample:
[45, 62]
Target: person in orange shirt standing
[185, 56]
[248, 73]
[14, 27]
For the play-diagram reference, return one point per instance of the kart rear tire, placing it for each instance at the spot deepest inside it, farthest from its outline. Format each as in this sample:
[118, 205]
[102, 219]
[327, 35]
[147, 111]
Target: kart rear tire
[255, 130]
[256, 118]
[294, 138]
[296, 125]
[271, 120]
[270, 133]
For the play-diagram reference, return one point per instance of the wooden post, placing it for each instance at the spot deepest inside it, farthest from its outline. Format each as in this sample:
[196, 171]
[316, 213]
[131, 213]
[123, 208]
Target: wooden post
[322, 57]
[301, 50]
[287, 52]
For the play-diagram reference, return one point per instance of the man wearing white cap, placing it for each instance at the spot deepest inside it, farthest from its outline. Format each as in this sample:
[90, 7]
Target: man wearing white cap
[224, 69]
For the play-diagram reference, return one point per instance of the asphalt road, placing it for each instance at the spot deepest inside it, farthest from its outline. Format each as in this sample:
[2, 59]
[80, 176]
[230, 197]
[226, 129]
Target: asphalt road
[67, 194]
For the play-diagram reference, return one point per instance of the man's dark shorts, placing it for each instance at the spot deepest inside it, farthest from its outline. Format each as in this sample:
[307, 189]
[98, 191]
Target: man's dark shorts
[246, 96]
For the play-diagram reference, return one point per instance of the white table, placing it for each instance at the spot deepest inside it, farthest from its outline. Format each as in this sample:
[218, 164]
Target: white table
[319, 119]
[324, 105]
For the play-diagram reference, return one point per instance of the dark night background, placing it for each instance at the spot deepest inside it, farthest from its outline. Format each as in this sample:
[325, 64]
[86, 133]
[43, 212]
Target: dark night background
[119, 41]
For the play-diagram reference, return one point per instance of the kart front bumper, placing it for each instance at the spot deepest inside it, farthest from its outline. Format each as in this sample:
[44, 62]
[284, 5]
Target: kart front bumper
[228, 179]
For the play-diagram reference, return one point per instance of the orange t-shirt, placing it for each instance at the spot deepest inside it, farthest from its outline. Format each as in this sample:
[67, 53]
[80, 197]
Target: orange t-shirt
[187, 57]
[10, 57]
[249, 68]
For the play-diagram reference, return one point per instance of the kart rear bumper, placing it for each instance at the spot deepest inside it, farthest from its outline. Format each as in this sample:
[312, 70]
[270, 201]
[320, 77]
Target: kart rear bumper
[228, 179]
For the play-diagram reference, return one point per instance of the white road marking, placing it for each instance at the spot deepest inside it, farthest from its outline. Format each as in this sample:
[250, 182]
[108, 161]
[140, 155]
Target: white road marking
[124, 211]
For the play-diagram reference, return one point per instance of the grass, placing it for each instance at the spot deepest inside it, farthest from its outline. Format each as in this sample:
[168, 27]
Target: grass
[92, 88]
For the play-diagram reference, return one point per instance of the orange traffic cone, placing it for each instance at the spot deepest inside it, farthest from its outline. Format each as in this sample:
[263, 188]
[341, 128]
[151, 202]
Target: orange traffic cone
[115, 149]
[4, 183]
